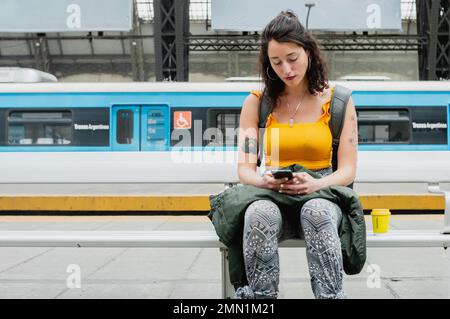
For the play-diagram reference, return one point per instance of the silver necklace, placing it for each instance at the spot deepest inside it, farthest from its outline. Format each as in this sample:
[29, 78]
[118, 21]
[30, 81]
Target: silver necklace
[291, 118]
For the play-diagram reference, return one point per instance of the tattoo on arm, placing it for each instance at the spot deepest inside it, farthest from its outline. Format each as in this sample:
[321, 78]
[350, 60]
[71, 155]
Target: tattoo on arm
[354, 139]
[250, 145]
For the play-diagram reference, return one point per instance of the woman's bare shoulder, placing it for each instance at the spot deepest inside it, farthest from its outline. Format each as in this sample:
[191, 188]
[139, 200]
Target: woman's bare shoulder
[251, 102]
[249, 111]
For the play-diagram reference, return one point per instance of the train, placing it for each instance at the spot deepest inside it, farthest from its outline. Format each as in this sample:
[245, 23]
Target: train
[160, 117]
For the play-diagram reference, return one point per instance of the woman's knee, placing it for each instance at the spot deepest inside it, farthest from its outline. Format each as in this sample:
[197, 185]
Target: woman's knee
[263, 212]
[320, 211]
[320, 221]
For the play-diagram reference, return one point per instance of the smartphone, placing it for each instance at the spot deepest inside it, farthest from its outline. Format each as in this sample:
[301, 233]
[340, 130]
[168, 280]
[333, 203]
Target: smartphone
[282, 173]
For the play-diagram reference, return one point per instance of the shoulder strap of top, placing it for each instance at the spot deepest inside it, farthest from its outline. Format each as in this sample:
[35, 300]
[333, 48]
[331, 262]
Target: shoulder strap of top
[256, 93]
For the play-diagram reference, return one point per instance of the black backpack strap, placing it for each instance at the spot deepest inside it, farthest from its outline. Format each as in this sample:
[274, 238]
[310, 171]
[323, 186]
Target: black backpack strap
[265, 108]
[338, 106]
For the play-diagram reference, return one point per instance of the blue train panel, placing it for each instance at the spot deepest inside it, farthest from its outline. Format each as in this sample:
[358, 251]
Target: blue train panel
[155, 120]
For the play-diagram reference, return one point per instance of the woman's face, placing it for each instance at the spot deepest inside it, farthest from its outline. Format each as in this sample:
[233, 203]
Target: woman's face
[289, 61]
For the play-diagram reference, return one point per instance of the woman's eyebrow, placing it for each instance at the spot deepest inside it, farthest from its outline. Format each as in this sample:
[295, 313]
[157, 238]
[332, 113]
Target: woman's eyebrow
[275, 57]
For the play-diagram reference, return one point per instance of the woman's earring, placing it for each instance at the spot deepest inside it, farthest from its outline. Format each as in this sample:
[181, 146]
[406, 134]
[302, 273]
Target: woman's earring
[309, 64]
[268, 75]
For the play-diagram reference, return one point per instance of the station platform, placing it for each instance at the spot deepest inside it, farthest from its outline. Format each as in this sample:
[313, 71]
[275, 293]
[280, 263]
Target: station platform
[169, 273]
[183, 198]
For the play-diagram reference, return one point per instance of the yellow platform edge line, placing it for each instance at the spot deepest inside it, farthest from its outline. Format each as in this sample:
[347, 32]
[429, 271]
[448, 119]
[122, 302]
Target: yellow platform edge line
[187, 202]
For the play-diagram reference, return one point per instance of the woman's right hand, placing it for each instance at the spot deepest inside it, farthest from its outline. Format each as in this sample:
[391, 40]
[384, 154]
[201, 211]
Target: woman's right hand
[268, 181]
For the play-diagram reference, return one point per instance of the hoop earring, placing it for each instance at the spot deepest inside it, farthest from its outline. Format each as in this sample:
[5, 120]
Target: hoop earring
[309, 64]
[268, 75]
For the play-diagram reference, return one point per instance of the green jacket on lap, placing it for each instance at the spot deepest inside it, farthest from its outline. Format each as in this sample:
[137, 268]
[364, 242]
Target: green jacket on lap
[228, 209]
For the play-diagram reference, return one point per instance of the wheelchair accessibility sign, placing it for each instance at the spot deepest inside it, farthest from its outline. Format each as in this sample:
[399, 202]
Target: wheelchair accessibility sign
[182, 120]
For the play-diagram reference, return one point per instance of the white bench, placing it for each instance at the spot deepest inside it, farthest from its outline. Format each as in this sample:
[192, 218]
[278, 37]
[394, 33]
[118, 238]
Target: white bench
[194, 239]
[373, 167]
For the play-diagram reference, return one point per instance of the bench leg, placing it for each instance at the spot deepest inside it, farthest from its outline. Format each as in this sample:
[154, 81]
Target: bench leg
[447, 214]
[434, 188]
[227, 288]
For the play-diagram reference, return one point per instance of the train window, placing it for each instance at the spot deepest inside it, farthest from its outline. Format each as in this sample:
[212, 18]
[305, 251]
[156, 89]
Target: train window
[227, 122]
[124, 133]
[39, 128]
[383, 126]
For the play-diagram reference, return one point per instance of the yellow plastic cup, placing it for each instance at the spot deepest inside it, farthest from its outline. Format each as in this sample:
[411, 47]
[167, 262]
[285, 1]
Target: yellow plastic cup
[380, 220]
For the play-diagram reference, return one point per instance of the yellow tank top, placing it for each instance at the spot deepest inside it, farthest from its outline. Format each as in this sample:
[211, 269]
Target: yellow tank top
[308, 144]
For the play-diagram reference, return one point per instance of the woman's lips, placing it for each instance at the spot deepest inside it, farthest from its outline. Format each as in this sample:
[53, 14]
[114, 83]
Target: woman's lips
[290, 78]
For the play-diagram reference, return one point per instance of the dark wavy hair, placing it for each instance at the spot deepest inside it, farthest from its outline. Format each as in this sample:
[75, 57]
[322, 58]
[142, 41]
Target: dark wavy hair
[286, 27]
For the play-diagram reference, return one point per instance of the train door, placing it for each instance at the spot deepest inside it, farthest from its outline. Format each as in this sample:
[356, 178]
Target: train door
[141, 128]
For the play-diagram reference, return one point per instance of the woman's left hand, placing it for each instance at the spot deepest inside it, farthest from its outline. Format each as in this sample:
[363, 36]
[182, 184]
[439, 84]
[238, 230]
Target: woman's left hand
[300, 184]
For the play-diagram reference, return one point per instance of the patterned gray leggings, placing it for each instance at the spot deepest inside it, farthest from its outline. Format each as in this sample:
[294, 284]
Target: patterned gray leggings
[317, 223]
